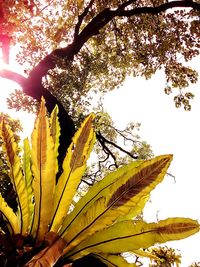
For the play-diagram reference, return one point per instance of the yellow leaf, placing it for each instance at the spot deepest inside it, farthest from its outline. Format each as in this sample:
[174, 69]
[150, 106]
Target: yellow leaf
[146, 254]
[28, 178]
[94, 194]
[44, 171]
[11, 149]
[133, 235]
[55, 132]
[125, 190]
[73, 168]
[9, 216]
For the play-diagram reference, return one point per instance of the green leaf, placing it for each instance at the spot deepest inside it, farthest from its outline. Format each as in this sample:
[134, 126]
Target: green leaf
[93, 195]
[11, 149]
[55, 132]
[146, 254]
[9, 216]
[132, 235]
[74, 166]
[28, 178]
[125, 190]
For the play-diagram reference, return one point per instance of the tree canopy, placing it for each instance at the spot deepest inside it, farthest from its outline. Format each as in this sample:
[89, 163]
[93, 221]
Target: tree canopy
[72, 49]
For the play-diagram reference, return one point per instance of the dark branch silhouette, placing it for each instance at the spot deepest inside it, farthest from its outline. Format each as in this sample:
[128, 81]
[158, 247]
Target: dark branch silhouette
[37, 91]
[81, 18]
[104, 140]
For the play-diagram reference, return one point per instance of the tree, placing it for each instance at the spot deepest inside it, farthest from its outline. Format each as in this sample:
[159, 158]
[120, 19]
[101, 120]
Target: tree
[49, 229]
[73, 48]
[82, 47]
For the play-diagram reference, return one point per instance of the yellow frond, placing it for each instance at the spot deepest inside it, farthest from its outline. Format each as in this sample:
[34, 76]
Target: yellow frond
[74, 166]
[44, 171]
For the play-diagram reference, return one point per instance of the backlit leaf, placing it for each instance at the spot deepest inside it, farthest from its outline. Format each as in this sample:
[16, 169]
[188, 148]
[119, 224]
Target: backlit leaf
[55, 132]
[11, 149]
[44, 170]
[94, 193]
[74, 166]
[132, 235]
[125, 190]
[9, 216]
[28, 178]
[146, 254]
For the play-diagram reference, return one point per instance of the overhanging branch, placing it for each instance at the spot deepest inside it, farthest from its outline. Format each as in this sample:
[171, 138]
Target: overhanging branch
[158, 9]
[13, 76]
[36, 90]
[95, 25]
[104, 140]
[81, 18]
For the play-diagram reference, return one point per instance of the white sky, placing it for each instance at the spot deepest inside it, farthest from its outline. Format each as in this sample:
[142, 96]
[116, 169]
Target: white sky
[168, 130]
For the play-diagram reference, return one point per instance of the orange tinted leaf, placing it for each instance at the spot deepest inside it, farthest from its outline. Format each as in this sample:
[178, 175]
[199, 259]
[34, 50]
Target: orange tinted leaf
[137, 183]
[50, 255]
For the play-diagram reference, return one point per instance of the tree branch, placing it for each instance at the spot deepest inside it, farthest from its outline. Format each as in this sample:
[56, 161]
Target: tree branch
[103, 140]
[125, 4]
[158, 9]
[36, 90]
[68, 53]
[93, 28]
[13, 76]
[81, 17]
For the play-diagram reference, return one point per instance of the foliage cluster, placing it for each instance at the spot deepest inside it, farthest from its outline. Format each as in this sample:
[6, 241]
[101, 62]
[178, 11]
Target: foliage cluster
[134, 41]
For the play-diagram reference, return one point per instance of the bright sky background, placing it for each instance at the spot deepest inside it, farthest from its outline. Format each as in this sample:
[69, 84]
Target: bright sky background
[169, 131]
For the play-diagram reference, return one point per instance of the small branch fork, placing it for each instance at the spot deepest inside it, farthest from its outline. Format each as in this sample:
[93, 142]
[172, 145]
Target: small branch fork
[91, 178]
[81, 18]
[103, 142]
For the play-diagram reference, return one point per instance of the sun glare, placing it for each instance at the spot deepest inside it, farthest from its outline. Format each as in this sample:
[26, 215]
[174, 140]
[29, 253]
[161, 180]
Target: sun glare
[13, 64]
[1, 60]
[7, 86]
[2, 64]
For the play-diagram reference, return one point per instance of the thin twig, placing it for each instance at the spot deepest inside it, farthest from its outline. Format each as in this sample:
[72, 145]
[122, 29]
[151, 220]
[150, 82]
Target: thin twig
[102, 140]
[105, 140]
[81, 18]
